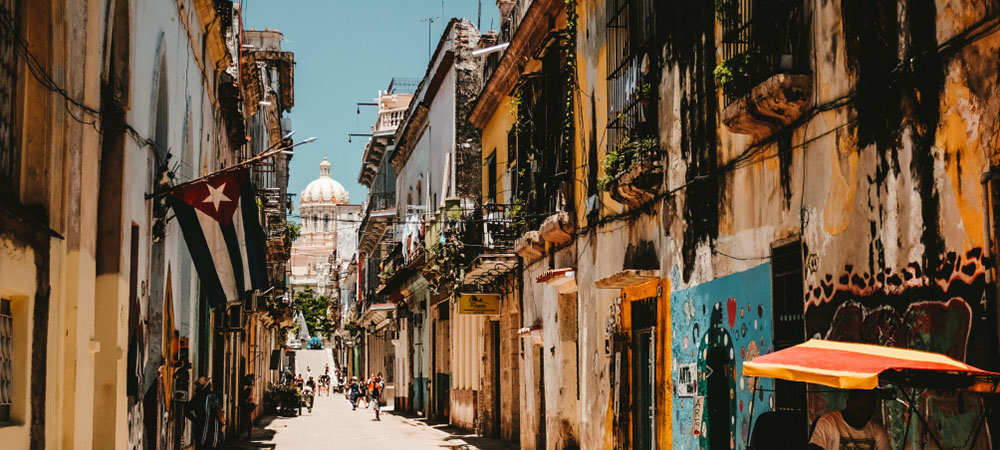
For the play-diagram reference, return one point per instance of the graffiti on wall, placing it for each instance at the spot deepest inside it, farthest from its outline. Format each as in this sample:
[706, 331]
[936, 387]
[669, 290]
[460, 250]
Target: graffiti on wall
[716, 326]
[940, 309]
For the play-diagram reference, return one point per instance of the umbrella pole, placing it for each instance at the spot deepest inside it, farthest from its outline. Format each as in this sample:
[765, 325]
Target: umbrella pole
[923, 421]
[909, 418]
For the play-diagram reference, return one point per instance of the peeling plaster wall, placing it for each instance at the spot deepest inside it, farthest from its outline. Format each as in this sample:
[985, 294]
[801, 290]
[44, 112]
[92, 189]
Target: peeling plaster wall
[889, 209]
[891, 225]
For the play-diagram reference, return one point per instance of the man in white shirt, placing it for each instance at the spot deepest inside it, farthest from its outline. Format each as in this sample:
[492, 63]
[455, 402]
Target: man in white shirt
[851, 428]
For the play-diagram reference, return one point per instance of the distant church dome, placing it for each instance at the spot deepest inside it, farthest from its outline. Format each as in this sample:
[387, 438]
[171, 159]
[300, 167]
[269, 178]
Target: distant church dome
[325, 189]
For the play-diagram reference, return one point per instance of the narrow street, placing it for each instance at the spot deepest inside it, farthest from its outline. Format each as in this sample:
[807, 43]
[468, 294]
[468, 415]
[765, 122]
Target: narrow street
[332, 424]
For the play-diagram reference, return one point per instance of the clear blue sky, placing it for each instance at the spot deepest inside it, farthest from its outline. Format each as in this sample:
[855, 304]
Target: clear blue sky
[345, 51]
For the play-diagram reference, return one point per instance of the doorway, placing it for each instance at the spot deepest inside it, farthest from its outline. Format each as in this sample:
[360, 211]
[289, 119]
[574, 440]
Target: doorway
[644, 379]
[644, 313]
[718, 398]
[495, 334]
[540, 437]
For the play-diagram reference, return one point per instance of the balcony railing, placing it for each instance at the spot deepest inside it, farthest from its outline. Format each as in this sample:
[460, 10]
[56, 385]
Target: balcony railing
[500, 227]
[389, 119]
[511, 14]
[379, 201]
[761, 39]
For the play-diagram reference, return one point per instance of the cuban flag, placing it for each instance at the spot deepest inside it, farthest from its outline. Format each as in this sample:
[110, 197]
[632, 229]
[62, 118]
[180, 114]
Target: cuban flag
[218, 217]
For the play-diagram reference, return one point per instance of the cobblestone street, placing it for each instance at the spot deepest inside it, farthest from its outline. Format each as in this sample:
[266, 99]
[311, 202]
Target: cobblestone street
[333, 425]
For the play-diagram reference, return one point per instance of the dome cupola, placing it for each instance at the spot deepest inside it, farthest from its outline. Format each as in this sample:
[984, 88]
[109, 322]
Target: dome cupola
[324, 189]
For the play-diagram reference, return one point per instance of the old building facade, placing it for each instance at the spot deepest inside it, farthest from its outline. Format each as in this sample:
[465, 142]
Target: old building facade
[669, 190]
[104, 324]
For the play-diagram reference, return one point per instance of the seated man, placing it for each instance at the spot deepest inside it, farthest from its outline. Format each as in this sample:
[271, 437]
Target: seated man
[852, 428]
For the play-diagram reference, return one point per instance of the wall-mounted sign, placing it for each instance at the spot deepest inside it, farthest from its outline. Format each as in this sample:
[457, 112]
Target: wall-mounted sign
[687, 380]
[485, 304]
[696, 416]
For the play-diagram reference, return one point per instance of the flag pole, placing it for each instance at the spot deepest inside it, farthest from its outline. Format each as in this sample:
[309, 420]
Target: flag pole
[240, 165]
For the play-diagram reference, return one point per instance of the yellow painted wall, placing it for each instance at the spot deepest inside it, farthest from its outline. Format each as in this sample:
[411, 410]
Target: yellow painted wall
[591, 72]
[17, 283]
[495, 138]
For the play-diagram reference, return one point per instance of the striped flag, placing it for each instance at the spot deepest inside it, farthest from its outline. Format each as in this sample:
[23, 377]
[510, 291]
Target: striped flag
[218, 217]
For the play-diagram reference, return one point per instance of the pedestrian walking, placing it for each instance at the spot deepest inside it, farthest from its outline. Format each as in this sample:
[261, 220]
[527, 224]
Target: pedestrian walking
[379, 387]
[205, 411]
[370, 390]
[354, 393]
[308, 394]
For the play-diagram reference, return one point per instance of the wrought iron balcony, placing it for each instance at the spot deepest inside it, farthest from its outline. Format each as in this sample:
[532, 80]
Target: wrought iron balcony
[764, 72]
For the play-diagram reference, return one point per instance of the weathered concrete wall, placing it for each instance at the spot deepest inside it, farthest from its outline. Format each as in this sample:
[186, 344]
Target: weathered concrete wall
[882, 189]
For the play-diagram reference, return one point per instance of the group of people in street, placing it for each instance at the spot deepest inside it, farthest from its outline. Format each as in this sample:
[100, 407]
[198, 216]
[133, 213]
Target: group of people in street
[369, 392]
[207, 415]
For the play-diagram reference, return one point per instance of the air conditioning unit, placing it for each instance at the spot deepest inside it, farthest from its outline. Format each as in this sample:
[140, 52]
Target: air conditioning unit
[253, 301]
[232, 320]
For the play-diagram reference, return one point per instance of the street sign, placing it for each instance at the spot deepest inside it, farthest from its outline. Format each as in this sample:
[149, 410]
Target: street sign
[481, 304]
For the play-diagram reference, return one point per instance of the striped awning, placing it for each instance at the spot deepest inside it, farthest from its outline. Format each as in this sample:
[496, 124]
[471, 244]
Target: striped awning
[846, 365]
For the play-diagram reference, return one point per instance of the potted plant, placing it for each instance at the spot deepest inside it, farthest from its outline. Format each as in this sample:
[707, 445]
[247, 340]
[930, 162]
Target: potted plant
[632, 151]
[736, 74]
[645, 93]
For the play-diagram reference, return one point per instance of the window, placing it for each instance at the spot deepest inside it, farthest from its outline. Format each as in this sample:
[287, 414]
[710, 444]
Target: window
[491, 177]
[632, 69]
[788, 317]
[762, 38]
[326, 222]
[6, 359]
[10, 163]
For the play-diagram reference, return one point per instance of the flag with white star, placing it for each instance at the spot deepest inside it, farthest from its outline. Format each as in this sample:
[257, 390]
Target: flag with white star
[219, 221]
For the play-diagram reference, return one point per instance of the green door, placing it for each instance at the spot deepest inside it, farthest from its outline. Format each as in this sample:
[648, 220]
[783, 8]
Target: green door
[643, 396]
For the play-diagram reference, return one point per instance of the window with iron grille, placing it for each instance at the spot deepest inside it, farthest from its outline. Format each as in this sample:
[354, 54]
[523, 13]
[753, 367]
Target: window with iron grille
[6, 359]
[633, 72]
[9, 153]
[760, 38]
[788, 317]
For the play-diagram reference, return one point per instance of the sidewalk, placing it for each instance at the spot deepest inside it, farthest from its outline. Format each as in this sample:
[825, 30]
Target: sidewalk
[333, 425]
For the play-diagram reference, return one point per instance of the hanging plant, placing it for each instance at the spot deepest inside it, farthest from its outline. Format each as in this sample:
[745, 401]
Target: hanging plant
[734, 75]
[632, 151]
[443, 264]
[387, 273]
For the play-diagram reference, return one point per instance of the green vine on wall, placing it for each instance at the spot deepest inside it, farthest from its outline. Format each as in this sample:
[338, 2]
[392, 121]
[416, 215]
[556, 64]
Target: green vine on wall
[444, 264]
[570, 72]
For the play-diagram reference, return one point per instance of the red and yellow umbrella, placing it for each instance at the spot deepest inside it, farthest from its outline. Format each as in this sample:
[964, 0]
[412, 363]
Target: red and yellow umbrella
[845, 365]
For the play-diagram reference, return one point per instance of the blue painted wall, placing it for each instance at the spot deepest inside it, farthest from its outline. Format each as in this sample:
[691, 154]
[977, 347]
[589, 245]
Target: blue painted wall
[734, 313]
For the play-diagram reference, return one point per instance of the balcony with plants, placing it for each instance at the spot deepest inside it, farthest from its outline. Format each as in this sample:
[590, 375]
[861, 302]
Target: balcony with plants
[632, 168]
[764, 73]
[540, 152]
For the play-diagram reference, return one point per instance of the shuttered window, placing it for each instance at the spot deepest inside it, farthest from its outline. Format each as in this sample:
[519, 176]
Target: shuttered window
[9, 153]
[6, 359]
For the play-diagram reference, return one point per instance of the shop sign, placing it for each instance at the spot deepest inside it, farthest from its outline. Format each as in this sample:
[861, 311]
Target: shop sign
[481, 304]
